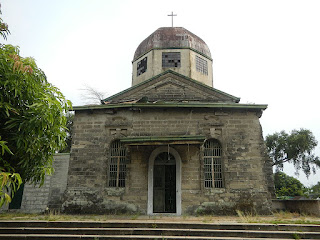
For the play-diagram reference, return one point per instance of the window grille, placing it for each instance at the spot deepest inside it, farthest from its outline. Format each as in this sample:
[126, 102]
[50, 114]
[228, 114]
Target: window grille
[142, 66]
[213, 173]
[117, 165]
[171, 59]
[201, 65]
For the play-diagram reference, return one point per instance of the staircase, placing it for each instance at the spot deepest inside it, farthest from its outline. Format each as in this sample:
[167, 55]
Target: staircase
[147, 229]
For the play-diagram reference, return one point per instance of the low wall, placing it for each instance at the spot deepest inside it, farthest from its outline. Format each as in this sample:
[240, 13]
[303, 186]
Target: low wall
[37, 199]
[310, 207]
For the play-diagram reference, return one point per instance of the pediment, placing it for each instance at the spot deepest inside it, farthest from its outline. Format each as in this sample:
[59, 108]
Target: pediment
[171, 87]
[167, 84]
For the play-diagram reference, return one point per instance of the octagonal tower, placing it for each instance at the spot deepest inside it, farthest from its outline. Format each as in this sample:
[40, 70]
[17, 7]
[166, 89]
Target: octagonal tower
[172, 48]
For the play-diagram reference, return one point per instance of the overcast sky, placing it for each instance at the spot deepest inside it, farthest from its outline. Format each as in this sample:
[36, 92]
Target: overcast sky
[265, 52]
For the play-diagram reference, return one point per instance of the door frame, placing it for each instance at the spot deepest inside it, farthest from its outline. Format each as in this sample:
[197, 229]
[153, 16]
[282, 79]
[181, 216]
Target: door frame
[152, 157]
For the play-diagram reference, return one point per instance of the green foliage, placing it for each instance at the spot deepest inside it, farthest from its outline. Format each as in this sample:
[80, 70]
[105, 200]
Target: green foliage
[287, 186]
[314, 191]
[8, 180]
[10, 183]
[69, 125]
[32, 120]
[4, 30]
[296, 147]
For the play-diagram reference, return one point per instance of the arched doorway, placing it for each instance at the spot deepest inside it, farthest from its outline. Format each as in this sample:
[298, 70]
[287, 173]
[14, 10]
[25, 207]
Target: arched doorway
[164, 181]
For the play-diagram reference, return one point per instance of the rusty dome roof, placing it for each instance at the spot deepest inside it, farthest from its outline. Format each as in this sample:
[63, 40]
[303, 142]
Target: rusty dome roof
[172, 37]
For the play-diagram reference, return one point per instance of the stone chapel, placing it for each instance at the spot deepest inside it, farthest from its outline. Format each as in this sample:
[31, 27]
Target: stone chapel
[171, 143]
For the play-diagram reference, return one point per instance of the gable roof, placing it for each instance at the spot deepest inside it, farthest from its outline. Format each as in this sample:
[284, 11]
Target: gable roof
[171, 86]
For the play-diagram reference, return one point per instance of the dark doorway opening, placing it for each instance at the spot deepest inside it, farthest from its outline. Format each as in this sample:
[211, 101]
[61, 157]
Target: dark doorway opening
[17, 199]
[164, 184]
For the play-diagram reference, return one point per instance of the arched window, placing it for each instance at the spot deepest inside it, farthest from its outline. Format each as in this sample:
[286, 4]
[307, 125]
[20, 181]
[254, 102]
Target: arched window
[213, 172]
[117, 165]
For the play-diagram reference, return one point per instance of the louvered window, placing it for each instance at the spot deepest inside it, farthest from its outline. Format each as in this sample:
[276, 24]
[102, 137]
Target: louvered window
[117, 165]
[213, 171]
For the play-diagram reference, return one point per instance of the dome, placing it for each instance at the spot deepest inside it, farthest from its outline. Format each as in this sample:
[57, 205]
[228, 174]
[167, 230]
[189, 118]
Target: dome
[172, 37]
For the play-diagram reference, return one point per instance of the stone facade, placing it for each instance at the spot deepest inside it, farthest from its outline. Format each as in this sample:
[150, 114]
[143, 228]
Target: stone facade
[155, 135]
[247, 170]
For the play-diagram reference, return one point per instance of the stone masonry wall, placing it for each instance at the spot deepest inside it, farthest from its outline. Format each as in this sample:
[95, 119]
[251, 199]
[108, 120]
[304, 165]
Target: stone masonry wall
[58, 182]
[37, 199]
[247, 169]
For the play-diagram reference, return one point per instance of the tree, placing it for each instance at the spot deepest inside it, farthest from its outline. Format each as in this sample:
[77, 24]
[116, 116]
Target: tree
[287, 186]
[69, 125]
[92, 96]
[32, 122]
[296, 147]
[314, 191]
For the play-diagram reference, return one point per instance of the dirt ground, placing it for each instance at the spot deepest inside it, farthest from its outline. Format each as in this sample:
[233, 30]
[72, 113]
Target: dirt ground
[276, 218]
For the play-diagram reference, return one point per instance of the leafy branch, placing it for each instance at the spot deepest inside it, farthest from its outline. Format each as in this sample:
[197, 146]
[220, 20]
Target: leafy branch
[4, 30]
[296, 148]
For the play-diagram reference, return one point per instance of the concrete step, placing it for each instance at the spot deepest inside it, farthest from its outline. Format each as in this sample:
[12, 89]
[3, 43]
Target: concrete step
[159, 224]
[153, 230]
[118, 237]
[161, 232]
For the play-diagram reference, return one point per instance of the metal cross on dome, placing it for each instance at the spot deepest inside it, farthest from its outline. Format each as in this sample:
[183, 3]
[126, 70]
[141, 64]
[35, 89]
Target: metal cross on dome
[172, 15]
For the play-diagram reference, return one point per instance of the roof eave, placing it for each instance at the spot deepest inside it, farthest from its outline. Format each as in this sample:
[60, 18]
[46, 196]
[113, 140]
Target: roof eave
[162, 48]
[174, 105]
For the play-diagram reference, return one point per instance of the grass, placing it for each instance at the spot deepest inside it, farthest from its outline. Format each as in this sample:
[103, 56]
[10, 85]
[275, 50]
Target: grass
[247, 218]
[279, 218]
[276, 218]
[63, 217]
[296, 236]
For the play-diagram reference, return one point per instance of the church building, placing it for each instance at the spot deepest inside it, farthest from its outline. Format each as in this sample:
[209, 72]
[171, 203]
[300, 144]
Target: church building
[171, 143]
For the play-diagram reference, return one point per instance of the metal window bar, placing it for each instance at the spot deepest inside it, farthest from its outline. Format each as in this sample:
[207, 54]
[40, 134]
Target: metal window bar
[117, 165]
[201, 65]
[213, 174]
[142, 66]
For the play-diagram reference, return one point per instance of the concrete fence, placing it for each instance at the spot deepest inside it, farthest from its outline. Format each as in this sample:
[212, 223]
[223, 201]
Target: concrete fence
[310, 207]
